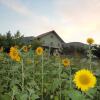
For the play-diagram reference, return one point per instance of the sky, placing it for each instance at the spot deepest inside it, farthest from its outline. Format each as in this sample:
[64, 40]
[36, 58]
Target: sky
[73, 20]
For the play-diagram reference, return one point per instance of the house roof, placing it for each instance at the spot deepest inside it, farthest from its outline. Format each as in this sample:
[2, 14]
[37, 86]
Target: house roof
[75, 44]
[27, 39]
[44, 34]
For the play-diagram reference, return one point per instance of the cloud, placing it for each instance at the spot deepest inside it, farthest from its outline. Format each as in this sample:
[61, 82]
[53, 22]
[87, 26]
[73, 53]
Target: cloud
[16, 6]
[74, 20]
[79, 17]
[35, 25]
[82, 13]
[32, 23]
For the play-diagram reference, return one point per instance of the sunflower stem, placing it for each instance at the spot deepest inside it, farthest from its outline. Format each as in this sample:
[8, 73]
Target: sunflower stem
[22, 75]
[42, 76]
[49, 52]
[70, 77]
[29, 97]
[33, 61]
[12, 97]
[60, 80]
[90, 57]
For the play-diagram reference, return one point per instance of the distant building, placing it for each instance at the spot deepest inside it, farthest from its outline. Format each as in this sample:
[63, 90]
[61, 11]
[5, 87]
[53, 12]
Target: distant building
[52, 41]
[75, 44]
[27, 40]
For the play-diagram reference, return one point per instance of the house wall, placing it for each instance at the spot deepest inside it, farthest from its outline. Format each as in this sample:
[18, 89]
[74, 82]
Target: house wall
[51, 40]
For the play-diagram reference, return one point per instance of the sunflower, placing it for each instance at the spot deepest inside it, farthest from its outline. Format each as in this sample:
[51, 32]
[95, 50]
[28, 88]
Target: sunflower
[25, 48]
[14, 54]
[1, 49]
[29, 46]
[39, 51]
[84, 79]
[66, 62]
[18, 58]
[90, 40]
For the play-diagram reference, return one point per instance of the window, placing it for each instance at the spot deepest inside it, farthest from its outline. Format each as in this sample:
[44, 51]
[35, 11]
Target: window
[51, 43]
[51, 36]
[38, 38]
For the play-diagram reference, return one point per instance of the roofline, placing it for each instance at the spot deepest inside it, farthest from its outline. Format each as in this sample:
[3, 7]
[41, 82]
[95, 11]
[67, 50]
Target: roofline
[44, 34]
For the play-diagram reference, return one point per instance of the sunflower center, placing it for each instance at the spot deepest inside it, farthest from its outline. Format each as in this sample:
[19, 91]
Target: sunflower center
[65, 62]
[25, 48]
[84, 79]
[39, 50]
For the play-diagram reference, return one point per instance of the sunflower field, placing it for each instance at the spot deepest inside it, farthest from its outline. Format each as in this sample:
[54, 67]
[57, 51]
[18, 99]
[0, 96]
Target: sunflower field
[27, 74]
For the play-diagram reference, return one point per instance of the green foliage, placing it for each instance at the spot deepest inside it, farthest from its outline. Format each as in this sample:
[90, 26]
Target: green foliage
[76, 95]
[17, 38]
[8, 40]
[96, 51]
[72, 50]
[5, 97]
[36, 43]
[56, 78]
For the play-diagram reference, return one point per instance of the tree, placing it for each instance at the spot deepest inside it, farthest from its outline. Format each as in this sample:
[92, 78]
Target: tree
[9, 39]
[17, 38]
[2, 39]
[96, 51]
[36, 43]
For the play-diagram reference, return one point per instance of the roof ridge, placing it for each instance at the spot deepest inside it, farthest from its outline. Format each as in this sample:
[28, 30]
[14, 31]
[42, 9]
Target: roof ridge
[46, 33]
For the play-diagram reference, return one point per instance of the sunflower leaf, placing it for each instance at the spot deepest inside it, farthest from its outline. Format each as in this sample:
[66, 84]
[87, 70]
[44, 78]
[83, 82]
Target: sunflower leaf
[76, 95]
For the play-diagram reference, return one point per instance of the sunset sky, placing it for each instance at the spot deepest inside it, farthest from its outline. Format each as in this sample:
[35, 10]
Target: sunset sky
[73, 20]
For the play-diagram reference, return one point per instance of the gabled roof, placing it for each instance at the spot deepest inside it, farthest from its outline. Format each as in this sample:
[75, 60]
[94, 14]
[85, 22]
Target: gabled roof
[44, 34]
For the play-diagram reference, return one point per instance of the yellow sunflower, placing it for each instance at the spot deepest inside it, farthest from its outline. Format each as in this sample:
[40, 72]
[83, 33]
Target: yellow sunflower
[18, 58]
[84, 79]
[39, 51]
[66, 62]
[1, 49]
[14, 54]
[25, 48]
[90, 40]
[29, 46]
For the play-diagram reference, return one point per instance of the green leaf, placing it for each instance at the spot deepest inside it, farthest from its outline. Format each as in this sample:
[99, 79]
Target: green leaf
[55, 84]
[76, 95]
[22, 96]
[97, 72]
[34, 97]
[91, 93]
[5, 97]
[15, 89]
[1, 89]
[56, 98]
